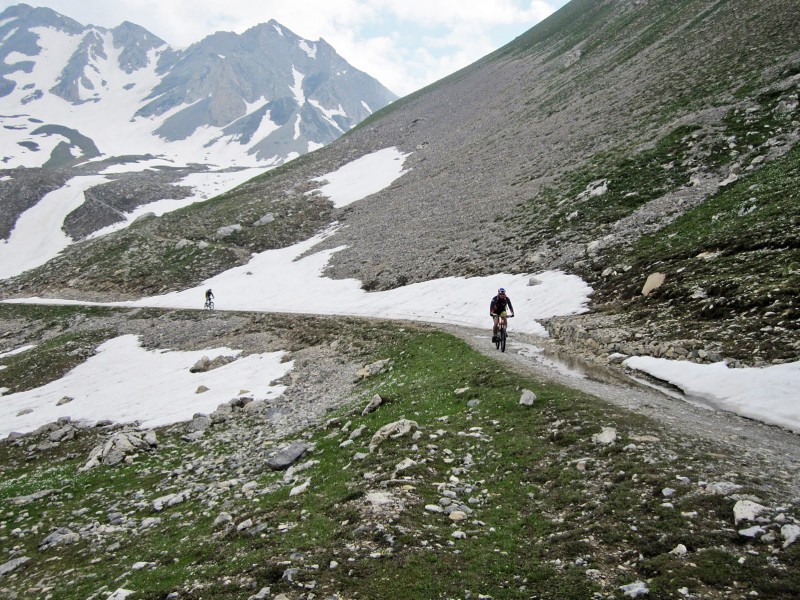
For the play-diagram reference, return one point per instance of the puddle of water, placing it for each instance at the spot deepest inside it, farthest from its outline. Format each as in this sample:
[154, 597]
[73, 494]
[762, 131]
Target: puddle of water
[574, 367]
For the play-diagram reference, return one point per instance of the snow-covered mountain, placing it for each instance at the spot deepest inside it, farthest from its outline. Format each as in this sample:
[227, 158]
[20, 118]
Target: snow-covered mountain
[71, 93]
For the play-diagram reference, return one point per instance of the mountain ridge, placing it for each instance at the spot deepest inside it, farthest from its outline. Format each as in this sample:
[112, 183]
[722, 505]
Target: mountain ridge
[156, 96]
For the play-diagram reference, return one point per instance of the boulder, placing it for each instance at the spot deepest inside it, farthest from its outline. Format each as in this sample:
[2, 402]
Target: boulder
[391, 430]
[607, 436]
[288, 456]
[654, 281]
[59, 537]
[527, 398]
[373, 404]
[119, 446]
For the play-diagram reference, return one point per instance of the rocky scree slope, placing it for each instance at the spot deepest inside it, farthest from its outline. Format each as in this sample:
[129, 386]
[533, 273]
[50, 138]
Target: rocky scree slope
[574, 147]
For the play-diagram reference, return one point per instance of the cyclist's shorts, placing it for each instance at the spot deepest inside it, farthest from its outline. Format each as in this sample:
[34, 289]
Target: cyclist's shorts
[502, 314]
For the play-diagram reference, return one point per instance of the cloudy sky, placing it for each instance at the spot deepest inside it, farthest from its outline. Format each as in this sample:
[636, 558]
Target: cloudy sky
[405, 44]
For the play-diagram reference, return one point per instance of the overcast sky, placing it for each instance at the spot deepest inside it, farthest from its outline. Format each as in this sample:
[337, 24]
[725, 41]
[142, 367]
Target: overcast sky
[405, 44]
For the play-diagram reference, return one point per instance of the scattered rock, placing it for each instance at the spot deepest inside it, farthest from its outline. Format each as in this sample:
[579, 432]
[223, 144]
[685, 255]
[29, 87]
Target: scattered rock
[13, 564]
[746, 510]
[607, 436]
[392, 430]
[654, 281]
[288, 456]
[373, 404]
[790, 534]
[118, 446]
[636, 589]
[59, 537]
[723, 488]
[528, 398]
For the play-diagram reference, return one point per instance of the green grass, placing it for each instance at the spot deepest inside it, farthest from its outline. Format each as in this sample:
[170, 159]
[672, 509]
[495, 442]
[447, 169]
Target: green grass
[539, 523]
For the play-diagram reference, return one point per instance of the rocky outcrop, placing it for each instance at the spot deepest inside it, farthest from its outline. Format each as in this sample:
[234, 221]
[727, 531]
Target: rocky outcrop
[119, 447]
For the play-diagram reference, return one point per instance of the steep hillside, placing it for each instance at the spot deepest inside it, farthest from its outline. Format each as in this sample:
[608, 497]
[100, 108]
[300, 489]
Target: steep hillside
[615, 139]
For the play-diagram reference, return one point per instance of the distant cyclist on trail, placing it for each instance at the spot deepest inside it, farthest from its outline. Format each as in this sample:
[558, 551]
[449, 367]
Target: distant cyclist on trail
[209, 296]
[497, 310]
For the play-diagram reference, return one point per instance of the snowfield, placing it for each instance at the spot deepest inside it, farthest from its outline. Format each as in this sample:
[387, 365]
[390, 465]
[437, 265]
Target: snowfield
[291, 280]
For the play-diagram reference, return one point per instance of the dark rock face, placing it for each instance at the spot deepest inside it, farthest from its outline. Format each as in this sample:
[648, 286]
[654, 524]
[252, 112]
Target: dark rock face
[20, 189]
[107, 203]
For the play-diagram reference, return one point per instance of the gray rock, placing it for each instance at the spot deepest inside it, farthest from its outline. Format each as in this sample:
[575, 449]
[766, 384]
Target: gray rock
[528, 398]
[59, 537]
[636, 589]
[19, 500]
[391, 430]
[373, 404]
[288, 456]
[607, 436]
[790, 534]
[200, 422]
[746, 510]
[723, 488]
[13, 564]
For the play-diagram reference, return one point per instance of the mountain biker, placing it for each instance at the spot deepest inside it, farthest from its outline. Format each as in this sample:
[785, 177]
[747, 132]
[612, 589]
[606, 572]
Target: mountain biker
[209, 295]
[497, 310]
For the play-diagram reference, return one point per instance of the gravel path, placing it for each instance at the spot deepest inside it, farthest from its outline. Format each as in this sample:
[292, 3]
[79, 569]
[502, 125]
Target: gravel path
[764, 451]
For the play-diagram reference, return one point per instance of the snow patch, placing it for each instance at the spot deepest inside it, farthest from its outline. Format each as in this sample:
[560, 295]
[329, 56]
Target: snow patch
[362, 177]
[110, 385]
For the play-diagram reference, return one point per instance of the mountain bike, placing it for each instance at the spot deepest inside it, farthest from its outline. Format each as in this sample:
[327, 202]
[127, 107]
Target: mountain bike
[502, 335]
[209, 305]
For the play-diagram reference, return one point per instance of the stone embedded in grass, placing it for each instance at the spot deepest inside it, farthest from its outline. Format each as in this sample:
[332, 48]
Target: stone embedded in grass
[222, 519]
[790, 534]
[391, 430]
[752, 532]
[288, 456]
[635, 589]
[163, 502]
[607, 436]
[59, 537]
[527, 398]
[119, 446]
[747, 510]
[723, 488]
[300, 488]
[12, 564]
[373, 404]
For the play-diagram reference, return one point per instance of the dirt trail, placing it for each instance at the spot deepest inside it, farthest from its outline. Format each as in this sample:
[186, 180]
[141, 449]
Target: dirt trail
[766, 451]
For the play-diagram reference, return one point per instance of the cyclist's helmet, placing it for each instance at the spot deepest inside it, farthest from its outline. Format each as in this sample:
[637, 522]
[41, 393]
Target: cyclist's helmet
[501, 291]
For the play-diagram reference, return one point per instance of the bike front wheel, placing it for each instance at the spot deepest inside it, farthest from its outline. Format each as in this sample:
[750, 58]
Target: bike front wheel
[502, 343]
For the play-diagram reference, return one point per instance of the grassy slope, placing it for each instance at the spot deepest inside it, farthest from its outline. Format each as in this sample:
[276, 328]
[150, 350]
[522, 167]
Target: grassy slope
[556, 515]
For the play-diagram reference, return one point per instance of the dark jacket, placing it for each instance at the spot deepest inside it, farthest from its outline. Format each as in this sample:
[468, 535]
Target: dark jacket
[499, 304]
